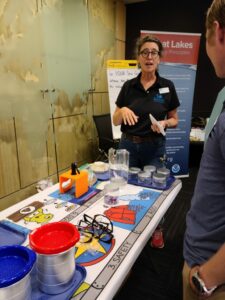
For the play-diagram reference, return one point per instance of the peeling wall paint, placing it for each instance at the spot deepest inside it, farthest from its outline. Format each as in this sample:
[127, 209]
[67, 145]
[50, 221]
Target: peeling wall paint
[52, 54]
[40, 52]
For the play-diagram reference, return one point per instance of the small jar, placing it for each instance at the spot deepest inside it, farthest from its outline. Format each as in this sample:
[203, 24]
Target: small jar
[159, 180]
[111, 194]
[144, 178]
[164, 171]
[133, 174]
[150, 168]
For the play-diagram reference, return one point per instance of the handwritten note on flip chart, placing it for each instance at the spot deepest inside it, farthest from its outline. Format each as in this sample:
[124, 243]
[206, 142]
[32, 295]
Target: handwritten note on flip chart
[119, 71]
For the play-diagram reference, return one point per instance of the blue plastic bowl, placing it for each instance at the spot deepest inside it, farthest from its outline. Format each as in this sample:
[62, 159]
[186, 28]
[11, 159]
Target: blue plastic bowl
[15, 263]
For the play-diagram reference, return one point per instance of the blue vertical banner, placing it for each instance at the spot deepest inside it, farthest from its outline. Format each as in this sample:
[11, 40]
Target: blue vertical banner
[179, 64]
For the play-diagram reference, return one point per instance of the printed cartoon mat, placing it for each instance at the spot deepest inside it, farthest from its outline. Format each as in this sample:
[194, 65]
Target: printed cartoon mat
[127, 219]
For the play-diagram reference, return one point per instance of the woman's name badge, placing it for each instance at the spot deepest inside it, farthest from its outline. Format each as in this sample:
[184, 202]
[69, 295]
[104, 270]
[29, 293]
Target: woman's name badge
[164, 90]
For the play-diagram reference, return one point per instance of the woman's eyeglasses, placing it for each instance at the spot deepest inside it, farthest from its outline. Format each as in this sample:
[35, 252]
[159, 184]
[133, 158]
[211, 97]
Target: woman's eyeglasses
[99, 227]
[145, 53]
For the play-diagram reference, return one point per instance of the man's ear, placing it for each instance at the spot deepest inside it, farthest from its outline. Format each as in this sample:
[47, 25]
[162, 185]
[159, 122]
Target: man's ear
[222, 37]
[219, 32]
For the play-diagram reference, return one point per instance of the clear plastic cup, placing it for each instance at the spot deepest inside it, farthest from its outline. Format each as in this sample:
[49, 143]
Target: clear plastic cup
[144, 178]
[149, 168]
[164, 171]
[133, 174]
[111, 194]
[159, 180]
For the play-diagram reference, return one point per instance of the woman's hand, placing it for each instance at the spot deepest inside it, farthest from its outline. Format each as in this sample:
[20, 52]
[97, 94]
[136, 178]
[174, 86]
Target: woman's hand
[170, 122]
[155, 127]
[128, 116]
[124, 115]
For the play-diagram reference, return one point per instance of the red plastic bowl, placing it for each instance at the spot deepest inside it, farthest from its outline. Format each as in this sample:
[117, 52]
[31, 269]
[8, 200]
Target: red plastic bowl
[54, 238]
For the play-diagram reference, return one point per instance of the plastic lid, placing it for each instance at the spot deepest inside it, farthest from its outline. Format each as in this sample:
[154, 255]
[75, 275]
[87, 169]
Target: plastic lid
[159, 177]
[149, 168]
[143, 174]
[134, 170]
[163, 171]
[15, 263]
[54, 238]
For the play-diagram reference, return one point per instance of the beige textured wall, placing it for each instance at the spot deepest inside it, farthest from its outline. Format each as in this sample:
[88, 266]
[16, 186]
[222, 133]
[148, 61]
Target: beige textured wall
[53, 79]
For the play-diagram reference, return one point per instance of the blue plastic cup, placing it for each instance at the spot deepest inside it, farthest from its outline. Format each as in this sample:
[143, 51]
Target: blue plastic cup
[16, 263]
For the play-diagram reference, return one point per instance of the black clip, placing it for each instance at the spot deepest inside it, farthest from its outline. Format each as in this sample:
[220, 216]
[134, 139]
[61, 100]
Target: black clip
[74, 169]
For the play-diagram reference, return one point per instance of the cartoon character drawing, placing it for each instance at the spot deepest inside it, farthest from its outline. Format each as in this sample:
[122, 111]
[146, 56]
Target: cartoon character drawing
[39, 217]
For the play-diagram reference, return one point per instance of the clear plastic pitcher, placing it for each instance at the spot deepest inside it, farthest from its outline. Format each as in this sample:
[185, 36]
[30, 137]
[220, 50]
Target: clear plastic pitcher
[118, 165]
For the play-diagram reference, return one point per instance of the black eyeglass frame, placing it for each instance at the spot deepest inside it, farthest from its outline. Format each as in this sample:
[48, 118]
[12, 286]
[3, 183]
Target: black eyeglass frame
[92, 228]
[145, 53]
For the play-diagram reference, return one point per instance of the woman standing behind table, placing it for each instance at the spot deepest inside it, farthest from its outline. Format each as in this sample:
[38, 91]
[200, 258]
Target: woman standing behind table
[146, 94]
[140, 96]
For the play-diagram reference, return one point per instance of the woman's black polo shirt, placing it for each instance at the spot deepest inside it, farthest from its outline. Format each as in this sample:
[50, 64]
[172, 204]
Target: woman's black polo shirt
[158, 100]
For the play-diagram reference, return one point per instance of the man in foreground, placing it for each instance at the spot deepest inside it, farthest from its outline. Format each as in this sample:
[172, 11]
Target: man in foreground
[204, 242]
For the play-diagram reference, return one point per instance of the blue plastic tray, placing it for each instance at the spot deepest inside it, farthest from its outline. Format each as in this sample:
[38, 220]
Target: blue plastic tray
[12, 234]
[169, 182]
[78, 278]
